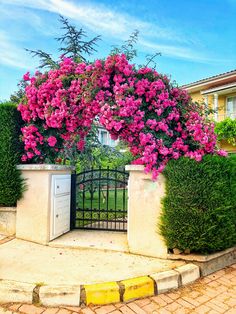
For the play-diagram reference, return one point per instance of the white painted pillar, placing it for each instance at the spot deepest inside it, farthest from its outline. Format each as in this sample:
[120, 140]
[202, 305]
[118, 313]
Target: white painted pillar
[216, 107]
[144, 211]
[206, 102]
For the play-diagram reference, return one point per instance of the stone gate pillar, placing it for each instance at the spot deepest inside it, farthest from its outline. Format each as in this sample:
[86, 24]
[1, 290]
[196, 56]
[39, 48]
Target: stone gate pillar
[144, 210]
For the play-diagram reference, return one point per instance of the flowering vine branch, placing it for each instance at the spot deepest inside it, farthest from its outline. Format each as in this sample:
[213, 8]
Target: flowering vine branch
[141, 107]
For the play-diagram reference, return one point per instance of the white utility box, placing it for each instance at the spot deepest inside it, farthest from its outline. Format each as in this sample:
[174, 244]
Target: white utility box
[43, 213]
[60, 205]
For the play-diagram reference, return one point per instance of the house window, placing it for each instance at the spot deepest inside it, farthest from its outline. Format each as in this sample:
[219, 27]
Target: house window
[104, 137]
[231, 107]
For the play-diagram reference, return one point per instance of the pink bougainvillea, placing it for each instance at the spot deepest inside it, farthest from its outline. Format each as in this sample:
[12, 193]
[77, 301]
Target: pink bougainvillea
[52, 141]
[157, 120]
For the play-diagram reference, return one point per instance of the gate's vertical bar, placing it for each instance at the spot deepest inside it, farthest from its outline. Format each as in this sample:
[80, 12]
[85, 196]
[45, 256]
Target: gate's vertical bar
[83, 209]
[107, 197]
[124, 190]
[115, 197]
[91, 200]
[99, 197]
[73, 202]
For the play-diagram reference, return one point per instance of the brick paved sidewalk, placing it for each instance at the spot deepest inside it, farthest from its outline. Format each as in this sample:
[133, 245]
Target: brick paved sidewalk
[213, 294]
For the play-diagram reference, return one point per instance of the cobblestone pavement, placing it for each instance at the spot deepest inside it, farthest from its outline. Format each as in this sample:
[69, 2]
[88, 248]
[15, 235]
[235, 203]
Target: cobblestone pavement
[213, 294]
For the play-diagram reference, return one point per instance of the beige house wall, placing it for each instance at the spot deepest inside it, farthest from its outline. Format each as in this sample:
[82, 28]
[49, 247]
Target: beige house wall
[197, 96]
[222, 101]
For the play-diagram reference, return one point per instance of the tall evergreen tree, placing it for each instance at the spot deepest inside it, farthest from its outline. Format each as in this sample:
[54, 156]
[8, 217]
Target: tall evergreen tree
[73, 44]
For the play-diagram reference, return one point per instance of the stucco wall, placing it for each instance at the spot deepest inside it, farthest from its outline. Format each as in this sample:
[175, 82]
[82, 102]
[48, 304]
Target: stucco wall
[8, 220]
[196, 96]
[222, 99]
[34, 209]
[144, 210]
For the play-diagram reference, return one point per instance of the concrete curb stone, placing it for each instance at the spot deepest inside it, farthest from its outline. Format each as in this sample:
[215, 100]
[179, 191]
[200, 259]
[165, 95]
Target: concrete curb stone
[188, 273]
[59, 295]
[139, 287]
[166, 280]
[14, 291]
[102, 293]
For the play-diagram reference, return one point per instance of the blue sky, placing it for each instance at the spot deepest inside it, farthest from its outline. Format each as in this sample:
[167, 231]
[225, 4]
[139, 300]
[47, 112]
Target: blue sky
[197, 38]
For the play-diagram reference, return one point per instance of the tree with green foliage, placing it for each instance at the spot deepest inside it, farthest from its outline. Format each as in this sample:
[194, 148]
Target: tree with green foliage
[104, 156]
[74, 44]
[226, 130]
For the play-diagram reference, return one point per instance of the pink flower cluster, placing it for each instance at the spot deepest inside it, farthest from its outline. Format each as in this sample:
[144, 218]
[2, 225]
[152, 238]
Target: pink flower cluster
[141, 107]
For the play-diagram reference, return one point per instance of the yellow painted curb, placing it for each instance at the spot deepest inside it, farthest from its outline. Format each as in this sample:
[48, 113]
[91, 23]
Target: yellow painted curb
[102, 293]
[138, 288]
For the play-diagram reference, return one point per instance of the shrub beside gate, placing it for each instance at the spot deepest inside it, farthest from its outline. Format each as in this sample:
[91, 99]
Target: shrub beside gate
[11, 183]
[199, 209]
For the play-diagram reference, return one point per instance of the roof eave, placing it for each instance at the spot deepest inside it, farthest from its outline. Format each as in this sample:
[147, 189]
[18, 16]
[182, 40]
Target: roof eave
[202, 83]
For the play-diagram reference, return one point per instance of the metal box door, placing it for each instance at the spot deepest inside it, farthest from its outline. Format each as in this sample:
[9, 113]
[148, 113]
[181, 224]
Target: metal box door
[60, 205]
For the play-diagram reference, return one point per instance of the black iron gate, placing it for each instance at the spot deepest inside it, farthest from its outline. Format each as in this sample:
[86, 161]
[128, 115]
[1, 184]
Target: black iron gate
[99, 199]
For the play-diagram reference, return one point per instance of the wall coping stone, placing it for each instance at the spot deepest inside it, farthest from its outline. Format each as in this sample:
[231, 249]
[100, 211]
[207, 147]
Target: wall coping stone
[7, 209]
[200, 257]
[134, 168]
[43, 167]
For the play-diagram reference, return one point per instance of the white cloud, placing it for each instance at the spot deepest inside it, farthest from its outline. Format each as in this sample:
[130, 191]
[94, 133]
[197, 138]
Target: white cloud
[99, 18]
[29, 17]
[111, 23]
[183, 53]
[12, 55]
[174, 51]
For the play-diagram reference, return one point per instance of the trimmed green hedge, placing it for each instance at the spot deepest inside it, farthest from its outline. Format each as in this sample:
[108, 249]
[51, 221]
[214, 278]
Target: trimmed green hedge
[11, 183]
[199, 209]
